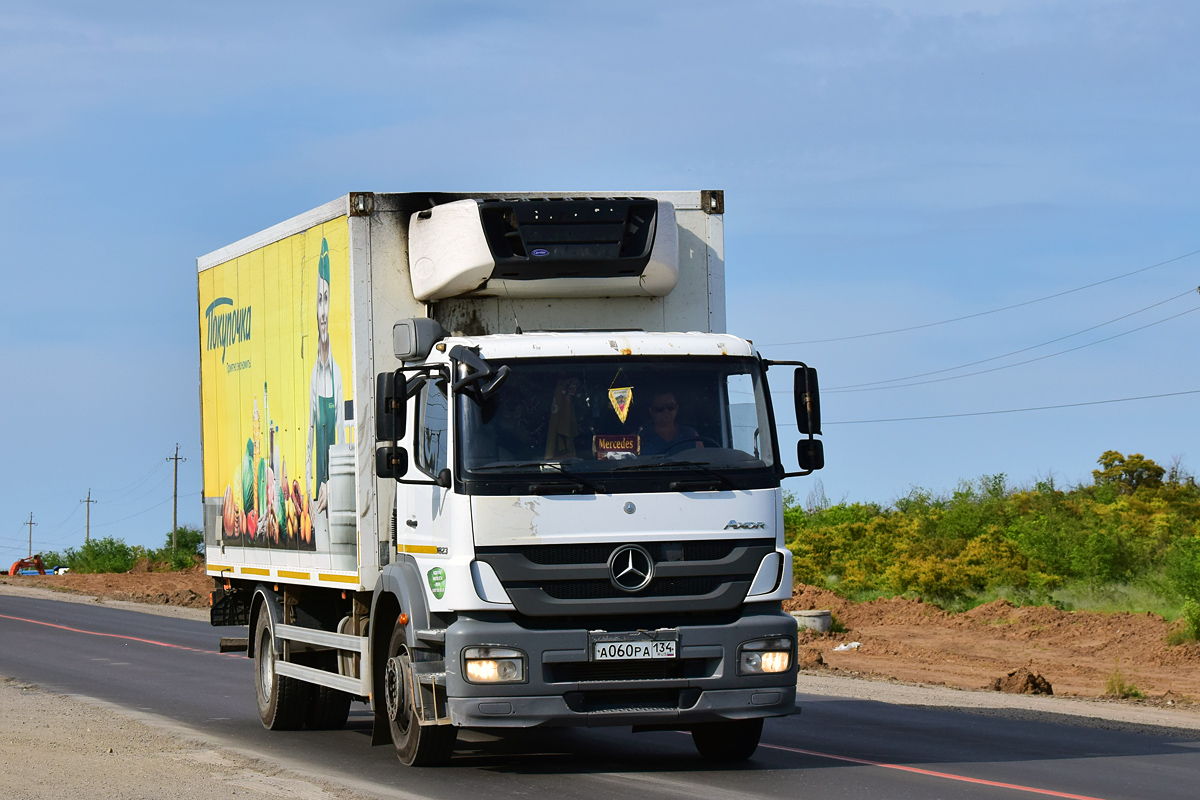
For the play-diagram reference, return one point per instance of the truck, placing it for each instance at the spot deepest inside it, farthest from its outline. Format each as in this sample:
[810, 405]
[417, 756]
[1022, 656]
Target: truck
[491, 460]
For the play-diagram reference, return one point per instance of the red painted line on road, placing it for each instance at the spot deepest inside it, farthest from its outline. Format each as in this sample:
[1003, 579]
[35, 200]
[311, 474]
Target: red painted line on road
[116, 636]
[932, 773]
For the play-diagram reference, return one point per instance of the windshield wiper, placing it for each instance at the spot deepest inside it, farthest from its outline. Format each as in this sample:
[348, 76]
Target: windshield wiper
[700, 466]
[554, 465]
[516, 465]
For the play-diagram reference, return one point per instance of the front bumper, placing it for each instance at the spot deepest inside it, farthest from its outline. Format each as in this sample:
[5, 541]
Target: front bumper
[564, 688]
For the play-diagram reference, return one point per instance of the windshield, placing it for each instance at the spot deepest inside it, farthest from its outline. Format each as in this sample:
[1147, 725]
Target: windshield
[619, 424]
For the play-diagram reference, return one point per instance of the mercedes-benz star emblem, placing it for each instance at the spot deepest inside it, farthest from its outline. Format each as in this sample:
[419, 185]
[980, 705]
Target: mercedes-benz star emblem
[631, 568]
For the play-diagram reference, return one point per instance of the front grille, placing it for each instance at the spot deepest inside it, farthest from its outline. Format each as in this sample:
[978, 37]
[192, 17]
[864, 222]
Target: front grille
[659, 587]
[573, 579]
[597, 671]
[558, 554]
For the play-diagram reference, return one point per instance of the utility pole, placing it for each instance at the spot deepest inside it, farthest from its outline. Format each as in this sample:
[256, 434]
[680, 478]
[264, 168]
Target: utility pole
[87, 536]
[175, 505]
[31, 523]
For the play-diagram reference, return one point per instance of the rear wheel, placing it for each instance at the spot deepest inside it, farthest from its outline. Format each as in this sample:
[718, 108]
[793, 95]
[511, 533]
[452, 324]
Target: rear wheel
[329, 708]
[282, 701]
[417, 745]
[732, 740]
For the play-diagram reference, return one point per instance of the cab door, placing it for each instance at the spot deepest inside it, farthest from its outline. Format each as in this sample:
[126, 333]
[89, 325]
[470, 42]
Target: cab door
[425, 528]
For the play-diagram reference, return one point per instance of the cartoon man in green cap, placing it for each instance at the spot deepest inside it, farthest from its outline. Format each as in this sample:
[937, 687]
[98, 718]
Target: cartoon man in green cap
[326, 411]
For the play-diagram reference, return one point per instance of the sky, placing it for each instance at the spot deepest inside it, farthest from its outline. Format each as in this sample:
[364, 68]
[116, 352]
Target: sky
[886, 165]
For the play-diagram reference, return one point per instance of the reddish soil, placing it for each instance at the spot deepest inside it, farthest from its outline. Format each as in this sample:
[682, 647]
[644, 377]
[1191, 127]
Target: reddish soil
[1075, 651]
[188, 588]
[905, 640]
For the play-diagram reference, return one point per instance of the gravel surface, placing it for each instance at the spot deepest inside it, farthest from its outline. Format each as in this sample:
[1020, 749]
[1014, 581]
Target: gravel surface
[52, 746]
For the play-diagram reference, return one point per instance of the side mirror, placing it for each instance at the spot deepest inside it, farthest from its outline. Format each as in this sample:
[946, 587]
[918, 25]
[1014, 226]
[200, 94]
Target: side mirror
[391, 462]
[810, 453]
[481, 380]
[390, 406]
[808, 401]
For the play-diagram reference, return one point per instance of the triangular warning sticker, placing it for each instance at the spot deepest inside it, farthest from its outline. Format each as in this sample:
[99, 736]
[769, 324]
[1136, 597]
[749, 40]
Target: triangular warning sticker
[621, 400]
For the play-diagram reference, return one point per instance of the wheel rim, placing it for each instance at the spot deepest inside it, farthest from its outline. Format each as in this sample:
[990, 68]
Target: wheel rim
[266, 663]
[395, 692]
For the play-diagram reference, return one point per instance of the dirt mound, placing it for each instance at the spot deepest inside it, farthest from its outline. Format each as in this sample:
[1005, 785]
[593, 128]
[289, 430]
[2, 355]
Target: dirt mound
[188, 588]
[1022, 681]
[1077, 651]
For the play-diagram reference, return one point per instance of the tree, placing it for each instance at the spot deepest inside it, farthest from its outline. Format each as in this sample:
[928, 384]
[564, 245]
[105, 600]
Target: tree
[1127, 475]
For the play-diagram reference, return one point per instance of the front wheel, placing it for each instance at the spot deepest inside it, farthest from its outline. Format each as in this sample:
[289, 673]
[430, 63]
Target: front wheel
[733, 740]
[282, 701]
[417, 745]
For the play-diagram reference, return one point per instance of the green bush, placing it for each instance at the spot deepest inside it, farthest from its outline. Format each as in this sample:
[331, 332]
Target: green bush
[1183, 567]
[1191, 621]
[103, 555]
[189, 543]
[113, 555]
[1131, 526]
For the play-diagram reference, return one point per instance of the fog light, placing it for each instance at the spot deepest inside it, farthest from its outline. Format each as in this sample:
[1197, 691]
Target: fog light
[493, 665]
[765, 657]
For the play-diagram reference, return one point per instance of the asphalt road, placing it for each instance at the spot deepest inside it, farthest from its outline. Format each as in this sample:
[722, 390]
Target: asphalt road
[836, 748]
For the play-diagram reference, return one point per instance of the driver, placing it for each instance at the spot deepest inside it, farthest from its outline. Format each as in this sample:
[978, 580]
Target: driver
[663, 436]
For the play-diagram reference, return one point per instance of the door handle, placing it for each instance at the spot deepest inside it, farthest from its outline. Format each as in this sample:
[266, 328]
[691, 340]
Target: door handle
[412, 523]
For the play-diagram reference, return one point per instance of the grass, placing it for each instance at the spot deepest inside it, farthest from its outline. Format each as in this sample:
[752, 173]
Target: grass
[1116, 687]
[1148, 595]
[1140, 597]
[1189, 631]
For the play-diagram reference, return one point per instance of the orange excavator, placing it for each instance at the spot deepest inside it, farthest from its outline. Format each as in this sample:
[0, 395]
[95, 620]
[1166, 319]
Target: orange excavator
[28, 563]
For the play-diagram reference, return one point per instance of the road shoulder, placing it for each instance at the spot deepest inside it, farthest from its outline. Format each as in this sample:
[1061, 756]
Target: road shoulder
[1110, 715]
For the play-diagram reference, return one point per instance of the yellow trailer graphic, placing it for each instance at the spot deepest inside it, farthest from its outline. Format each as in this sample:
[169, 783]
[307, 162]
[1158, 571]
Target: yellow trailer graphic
[278, 399]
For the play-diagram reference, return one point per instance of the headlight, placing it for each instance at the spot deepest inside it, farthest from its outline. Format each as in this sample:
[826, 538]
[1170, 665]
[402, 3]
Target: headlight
[493, 665]
[765, 656]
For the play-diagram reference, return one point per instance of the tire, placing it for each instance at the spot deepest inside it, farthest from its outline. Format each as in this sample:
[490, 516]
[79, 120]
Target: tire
[329, 708]
[416, 745]
[733, 740]
[282, 702]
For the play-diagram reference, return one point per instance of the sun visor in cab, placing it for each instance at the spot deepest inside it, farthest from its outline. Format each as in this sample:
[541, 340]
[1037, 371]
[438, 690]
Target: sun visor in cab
[586, 247]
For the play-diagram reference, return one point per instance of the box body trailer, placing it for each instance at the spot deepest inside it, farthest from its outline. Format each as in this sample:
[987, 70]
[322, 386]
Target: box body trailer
[491, 460]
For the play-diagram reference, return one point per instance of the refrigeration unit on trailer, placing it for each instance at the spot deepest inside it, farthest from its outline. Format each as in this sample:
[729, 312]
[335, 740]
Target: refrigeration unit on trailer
[492, 461]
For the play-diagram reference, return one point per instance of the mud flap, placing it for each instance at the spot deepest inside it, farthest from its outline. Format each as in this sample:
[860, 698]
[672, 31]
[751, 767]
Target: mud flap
[381, 733]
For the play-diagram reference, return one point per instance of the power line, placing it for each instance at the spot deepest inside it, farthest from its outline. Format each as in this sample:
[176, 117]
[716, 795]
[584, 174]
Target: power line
[984, 313]
[145, 510]
[1004, 411]
[1016, 363]
[150, 490]
[1013, 352]
[129, 488]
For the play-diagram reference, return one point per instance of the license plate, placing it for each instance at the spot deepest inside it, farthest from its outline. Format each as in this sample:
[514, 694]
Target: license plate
[633, 647]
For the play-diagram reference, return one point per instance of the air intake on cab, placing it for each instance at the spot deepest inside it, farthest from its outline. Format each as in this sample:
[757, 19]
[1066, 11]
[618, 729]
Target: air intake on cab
[589, 247]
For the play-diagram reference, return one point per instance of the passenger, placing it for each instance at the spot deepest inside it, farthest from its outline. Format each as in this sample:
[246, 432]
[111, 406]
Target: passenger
[663, 436]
